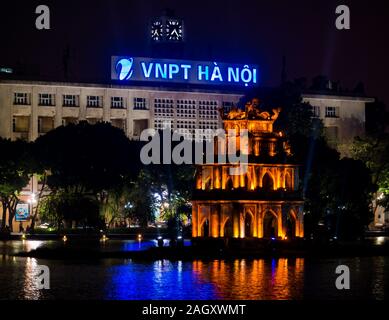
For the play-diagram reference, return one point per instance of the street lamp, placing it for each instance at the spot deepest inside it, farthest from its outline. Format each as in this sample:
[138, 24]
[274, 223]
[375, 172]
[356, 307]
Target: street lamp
[32, 199]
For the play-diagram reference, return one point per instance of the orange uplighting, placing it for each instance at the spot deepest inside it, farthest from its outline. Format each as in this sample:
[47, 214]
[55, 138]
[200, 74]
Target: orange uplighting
[223, 195]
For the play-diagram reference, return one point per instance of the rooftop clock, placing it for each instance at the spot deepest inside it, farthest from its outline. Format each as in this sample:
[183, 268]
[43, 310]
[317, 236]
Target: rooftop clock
[174, 30]
[167, 29]
[157, 30]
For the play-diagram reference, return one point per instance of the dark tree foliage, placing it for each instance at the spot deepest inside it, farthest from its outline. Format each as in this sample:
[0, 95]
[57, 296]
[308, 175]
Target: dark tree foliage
[373, 150]
[140, 200]
[338, 197]
[86, 163]
[16, 168]
[377, 119]
[87, 158]
[295, 117]
[64, 209]
[174, 185]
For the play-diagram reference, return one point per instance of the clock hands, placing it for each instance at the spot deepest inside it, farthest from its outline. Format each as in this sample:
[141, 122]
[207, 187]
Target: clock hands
[174, 31]
[170, 30]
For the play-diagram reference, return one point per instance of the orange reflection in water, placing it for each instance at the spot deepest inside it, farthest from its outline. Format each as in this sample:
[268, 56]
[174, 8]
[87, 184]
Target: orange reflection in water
[257, 279]
[31, 291]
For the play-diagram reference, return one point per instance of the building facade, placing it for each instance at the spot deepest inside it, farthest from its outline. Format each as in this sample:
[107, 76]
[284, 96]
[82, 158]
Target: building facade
[262, 201]
[31, 109]
[343, 117]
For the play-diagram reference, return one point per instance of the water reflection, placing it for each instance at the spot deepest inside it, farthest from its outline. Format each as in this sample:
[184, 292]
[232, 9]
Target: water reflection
[16, 246]
[29, 245]
[219, 279]
[30, 288]
[254, 279]
[378, 281]
[292, 278]
[163, 279]
[379, 241]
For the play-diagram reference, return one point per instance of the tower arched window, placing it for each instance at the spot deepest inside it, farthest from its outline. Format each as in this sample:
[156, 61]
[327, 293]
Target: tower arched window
[267, 182]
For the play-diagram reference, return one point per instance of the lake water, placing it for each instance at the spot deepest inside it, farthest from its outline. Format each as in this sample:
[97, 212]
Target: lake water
[255, 279]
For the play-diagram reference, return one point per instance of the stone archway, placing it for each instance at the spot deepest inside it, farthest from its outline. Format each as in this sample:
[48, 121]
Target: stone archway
[288, 181]
[207, 183]
[248, 225]
[229, 184]
[270, 225]
[267, 182]
[228, 228]
[205, 228]
[247, 181]
[291, 225]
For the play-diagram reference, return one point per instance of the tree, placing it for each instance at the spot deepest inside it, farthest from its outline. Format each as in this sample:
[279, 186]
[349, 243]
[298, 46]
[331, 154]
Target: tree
[295, 117]
[42, 193]
[68, 208]
[373, 150]
[338, 196]
[86, 158]
[141, 203]
[167, 187]
[114, 208]
[15, 173]
[87, 161]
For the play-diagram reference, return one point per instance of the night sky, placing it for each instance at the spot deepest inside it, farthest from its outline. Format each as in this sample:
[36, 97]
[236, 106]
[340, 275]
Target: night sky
[259, 32]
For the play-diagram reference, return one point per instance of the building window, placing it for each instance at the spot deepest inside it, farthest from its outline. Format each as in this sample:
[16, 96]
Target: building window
[94, 120]
[163, 108]
[94, 101]
[20, 124]
[186, 109]
[331, 133]
[46, 99]
[66, 121]
[208, 110]
[21, 98]
[160, 124]
[208, 117]
[332, 112]
[140, 104]
[119, 123]
[117, 102]
[316, 111]
[45, 124]
[70, 100]
[139, 126]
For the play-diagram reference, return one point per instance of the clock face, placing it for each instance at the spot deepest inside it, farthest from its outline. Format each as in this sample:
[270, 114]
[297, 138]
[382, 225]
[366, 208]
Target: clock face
[174, 30]
[157, 30]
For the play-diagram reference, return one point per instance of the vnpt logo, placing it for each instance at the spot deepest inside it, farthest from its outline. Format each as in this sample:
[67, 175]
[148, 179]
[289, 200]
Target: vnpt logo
[124, 68]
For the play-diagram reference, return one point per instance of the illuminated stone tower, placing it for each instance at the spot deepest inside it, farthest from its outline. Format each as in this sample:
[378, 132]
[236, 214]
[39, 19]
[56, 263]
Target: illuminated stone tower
[262, 202]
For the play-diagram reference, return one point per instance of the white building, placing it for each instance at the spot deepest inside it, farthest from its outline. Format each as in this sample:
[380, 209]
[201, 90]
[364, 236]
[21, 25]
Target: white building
[30, 109]
[343, 117]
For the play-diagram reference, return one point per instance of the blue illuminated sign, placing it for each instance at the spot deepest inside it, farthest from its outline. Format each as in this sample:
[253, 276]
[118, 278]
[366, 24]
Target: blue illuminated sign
[124, 68]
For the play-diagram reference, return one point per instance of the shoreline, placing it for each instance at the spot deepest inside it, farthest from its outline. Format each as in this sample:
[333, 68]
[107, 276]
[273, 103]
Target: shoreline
[189, 253]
